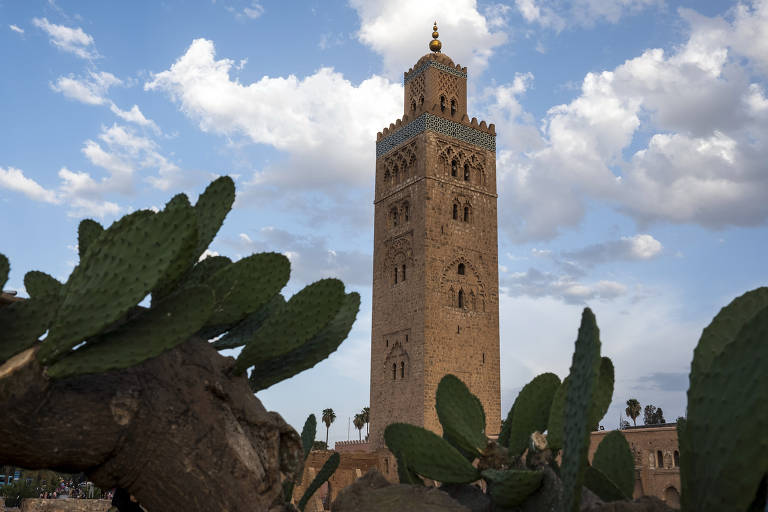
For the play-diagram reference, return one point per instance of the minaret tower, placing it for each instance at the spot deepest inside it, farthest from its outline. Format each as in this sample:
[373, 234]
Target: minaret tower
[435, 258]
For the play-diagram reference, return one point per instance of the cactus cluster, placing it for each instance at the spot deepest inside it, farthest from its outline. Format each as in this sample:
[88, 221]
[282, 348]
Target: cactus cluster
[513, 466]
[95, 323]
[723, 441]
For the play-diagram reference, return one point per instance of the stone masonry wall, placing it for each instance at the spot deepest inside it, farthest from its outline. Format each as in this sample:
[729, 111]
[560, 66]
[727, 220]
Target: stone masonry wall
[64, 505]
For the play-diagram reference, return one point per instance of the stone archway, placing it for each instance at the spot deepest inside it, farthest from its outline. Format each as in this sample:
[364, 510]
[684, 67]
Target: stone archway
[672, 497]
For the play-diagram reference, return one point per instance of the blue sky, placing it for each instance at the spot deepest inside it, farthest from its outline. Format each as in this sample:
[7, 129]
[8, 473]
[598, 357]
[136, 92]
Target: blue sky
[631, 157]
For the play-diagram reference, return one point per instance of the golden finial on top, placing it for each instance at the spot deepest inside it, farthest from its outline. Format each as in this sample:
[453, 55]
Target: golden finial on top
[435, 43]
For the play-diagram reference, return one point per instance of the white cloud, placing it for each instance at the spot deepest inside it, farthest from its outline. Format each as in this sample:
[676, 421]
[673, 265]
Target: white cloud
[584, 13]
[16, 29]
[701, 163]
[91, 90]
[253, 11]
[14, 179]
[565, 287]
[322, 121]
[400, 40]
[72, 40]
[637, 247]
[134, 115]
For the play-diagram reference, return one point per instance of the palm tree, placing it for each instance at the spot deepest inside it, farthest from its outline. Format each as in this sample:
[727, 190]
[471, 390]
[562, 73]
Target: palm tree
[367, 418]
[359, 423]
[633, 409]
[328, 417]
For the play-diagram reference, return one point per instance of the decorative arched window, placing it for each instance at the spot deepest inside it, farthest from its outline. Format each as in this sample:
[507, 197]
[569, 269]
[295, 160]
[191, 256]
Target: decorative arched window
[394, 217]
[472, 301]
[442, 103]
[461, 299]
[421, 100]
[403, 271]
[466, 172]
[395, 275]
[660, 459]
[406, 212]
[455, 211]
[394, 371]
[413, 105]
[466, 214]
[676, 457]
[402, 369]
[454, 168]
[387, 341]
[453, 107]
[461, 269]
[395, 175]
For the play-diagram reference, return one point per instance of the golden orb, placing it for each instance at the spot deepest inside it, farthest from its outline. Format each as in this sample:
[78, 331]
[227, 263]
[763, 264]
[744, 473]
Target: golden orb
[435, 44]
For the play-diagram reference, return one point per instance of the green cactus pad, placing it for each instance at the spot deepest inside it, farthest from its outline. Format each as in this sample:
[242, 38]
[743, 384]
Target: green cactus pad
[303, 317]
[404, 473]
[603, 393]
[39, 284]
[531, 407]
[556, 419]
[597, 482]
[461, 415]
[185, 257]
[205, 268]
[584, 374]
[511, 487]
[23, 322]
[614, 459]
[147, 335]
[298, 358]
[505, 428]
[323, 475]
[246, 286]
[5, 267]
[244, 331]
[119, 269]
[727, 423]
[211, 209]
[88, 231]
[308, 434]
[429, 455]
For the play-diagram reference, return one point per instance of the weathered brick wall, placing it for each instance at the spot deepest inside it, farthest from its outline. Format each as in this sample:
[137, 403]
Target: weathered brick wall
[64, 505]
[651, 478]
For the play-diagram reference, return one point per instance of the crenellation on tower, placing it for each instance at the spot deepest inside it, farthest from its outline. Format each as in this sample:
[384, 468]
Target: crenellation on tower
[435, 269]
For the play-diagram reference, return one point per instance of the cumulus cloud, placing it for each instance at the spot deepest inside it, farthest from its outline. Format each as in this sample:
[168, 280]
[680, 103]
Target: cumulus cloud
[134, 115]
[16, 29]
[638, 247]
[467, 34]
[702, 163]
[558, 15]
[14, 179]
[91, 90]
[71, 40]
[311, 258]
[565, 287]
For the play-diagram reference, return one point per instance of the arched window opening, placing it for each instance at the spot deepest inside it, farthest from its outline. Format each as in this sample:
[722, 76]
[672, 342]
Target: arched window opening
[455, 211]
[453, 107]
[483, 357]
[676, 456]
[403, 271]
[466, 214]
[395, 174]
[454, 168]
[413, 105]
[406, 338]
[660, 459]
[394, 371]
[406, 212]
[466, 172]
[461, 269]
[461, 298]
[395, 275]
[421, 100]
[442, 103]
[402, 370]
[387, 342]
[394, 217]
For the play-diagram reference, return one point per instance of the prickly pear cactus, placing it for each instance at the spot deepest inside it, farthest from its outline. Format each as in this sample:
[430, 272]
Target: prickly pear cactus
[584, 375]
[614, 459]
[23, 322]
[461, 415]
[724, 448]
[603, 393]
[39, 284]
[556, 421]
[511, 487]
[5, 267]
[531, 411]
[88, 231]
[429, 455]
[322, 476]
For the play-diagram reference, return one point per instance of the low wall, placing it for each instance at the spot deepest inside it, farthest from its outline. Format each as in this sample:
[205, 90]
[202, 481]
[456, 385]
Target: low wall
[64, 505]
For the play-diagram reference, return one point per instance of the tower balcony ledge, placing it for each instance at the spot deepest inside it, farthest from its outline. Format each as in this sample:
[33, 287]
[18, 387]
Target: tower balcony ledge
[435, 110]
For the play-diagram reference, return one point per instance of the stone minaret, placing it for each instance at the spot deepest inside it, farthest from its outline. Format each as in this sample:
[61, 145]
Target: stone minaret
[435, 257]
